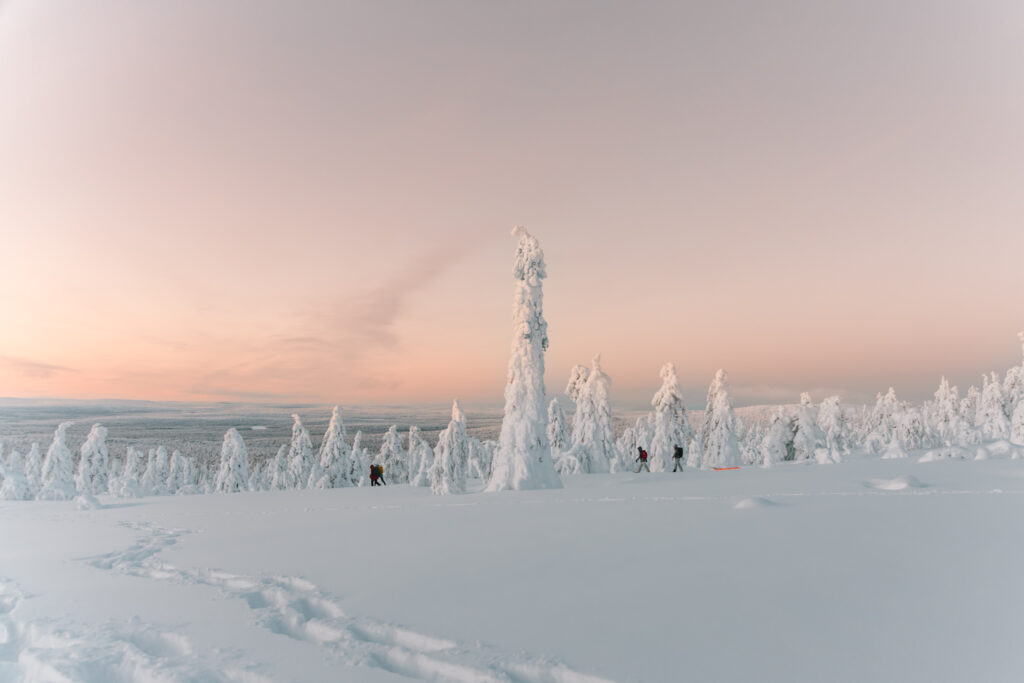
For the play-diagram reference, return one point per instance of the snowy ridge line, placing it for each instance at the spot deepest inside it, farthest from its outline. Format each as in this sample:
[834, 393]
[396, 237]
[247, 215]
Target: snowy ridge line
[115, 651]
[298, 609]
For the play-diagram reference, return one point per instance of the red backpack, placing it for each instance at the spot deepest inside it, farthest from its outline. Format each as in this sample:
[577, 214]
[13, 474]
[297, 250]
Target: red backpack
[643, 455]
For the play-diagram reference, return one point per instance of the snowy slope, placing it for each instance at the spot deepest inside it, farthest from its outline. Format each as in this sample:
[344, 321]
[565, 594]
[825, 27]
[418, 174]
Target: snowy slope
[873, 569]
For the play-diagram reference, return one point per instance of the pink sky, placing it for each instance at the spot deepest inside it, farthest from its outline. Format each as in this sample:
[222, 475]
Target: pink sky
[253, 200]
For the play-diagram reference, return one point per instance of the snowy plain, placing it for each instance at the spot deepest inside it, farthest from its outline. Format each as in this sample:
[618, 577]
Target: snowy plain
[880, 570]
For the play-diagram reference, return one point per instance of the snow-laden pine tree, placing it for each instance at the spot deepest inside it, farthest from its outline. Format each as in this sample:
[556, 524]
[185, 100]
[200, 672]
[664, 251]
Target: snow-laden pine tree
[671, 424]
[558, 429]
[808, 437]
[93, 473]
[1013, 384]
[14, 486]
[421, 458]
[176, 473]
[233, 475]
[1017, 426]
[718, 435]
[58, 468]
[277, 470]
[882, 421]
[33, 471]
[451, 456]
[128, 484]
[300, 455]
[393, 458]
[257, 476]
[969, 405]
[593, 443]
[910, 429]
[777, 445]
[161, 470]
[990, 419]
[523, 460]
[625, 446]
[360, 469]
[481, 453]
[188, 478]
[335, 461]
[833, 424]
[945, 422]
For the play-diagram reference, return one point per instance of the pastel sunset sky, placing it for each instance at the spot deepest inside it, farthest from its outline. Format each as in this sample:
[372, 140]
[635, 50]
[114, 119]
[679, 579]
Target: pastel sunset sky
[311, 201]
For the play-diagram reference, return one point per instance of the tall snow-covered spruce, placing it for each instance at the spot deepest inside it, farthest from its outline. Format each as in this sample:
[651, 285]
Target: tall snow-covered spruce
[671, 425]
[523, 459]
[718, 436]
[234, 464]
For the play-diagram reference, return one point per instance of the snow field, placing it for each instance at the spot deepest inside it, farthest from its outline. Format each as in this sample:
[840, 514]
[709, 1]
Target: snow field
[865, 570]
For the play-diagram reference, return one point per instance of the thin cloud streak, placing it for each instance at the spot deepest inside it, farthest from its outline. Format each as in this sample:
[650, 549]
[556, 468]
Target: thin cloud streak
[30, 368]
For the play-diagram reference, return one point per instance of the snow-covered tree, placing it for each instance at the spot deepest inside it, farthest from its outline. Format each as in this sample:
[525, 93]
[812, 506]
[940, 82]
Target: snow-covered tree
[593, 443]
[188, 478]
[777, 445]
[1017, 427]
[154, 479]
[808, 437]
[625, 446]
[910, 429]
[277, 472]
[558, 429]
[58, 468]
[421, 458]
[990, 418]
[969, 404]
[523, 460]
[393, 458]
[481, 454]
[233, 475]
[1013, 385]
[718, 435]
[129, 484]
[177, 472]
[833, 424]
[34, 471]
[360, 470]
[335, 461]
[451, 456]
[882, 421]
[669, 420]
[945, 422]
[257, 476]
[300, 455]
[93, 473]
[14, 486]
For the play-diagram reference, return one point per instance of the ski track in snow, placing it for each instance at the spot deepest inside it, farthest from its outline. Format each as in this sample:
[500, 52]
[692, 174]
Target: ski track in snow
[297, 609]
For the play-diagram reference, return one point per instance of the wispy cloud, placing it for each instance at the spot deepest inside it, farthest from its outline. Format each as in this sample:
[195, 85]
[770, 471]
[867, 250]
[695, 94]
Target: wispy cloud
[31, 368]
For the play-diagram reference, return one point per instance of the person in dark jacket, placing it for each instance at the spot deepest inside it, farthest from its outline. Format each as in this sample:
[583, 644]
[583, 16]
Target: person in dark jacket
[642, 459]
[377, 475]
[677, 459]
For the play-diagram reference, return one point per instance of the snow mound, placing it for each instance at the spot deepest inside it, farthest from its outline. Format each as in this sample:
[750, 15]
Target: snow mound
[947, 453]
[87, 501]
[998, 449]
[755, 502]
[900, 483]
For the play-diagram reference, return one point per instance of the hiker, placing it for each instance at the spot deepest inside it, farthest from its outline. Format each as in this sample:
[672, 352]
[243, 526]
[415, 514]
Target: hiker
[377, 475]
[642, 459]
[677, 459]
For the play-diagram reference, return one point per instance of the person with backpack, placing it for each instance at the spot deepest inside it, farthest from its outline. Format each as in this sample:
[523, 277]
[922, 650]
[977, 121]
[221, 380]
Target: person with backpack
[377, 475]
[677, 459]
[642, 459]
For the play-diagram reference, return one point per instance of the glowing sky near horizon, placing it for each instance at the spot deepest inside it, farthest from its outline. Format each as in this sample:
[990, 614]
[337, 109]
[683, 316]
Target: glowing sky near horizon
[312, 201]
